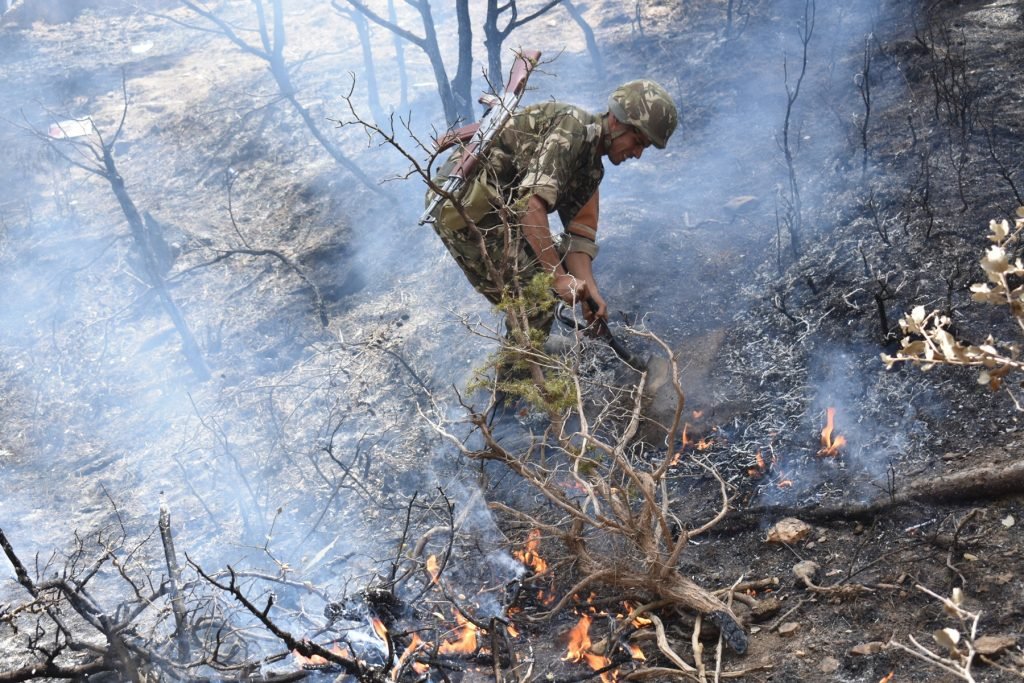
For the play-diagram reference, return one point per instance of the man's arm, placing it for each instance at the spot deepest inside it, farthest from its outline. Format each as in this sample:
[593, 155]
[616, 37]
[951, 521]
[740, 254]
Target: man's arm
[582, 249]
[570, 286]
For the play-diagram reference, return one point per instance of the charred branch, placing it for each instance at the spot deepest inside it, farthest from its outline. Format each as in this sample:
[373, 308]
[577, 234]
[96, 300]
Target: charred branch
[1002, 169]
[983, 483]
[795, 213]
[495, 34]
[450, 100]
[173, 582]
[302, 646]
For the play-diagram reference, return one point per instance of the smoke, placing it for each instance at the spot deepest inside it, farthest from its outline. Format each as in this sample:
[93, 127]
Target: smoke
[302, 432]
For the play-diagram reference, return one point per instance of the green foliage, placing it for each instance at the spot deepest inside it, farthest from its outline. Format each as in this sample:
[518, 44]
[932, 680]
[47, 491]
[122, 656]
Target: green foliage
[523, 347]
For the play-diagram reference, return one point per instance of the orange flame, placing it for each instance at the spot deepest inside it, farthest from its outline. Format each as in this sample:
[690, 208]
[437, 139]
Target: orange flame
[414, 645]
[466, 642]
[636, 653]
[579, 648]
[433, 568]
[529, 555]
[380, 629]
[828, 446]
[888, 677]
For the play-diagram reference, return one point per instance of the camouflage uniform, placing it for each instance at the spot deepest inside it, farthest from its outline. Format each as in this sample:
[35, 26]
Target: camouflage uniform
[550, 150]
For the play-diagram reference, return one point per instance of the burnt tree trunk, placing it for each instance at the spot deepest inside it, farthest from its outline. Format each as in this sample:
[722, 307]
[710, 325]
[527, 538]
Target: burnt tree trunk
[372, 88]
[403, 75]
[155, 279]
[462, 84]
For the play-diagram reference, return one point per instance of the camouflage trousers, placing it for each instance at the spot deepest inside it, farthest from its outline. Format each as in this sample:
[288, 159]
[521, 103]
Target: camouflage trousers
[494, 255]
[513, 264]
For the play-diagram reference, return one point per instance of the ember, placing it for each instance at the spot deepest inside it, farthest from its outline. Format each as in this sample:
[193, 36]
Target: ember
[830, 447]
[315, 662]
[888, 677]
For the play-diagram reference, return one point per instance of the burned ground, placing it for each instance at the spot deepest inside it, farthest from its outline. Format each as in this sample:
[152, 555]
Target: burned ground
[298, 458]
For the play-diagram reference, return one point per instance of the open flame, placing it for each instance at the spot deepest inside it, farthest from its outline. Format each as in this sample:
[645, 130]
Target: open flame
[530, 556]
[685, 442]
[466, 641]
[888, 677]
[829, 446]
[579, 647]
[433, 568]
[415, 643]
[380, 629]
[763, 467]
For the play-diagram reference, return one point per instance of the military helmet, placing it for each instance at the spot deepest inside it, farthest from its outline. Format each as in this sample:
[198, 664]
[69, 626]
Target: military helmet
[646, 106]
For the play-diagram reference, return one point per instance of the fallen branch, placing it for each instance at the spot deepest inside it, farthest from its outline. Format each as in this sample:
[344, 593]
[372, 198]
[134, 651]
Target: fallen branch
[979, 483]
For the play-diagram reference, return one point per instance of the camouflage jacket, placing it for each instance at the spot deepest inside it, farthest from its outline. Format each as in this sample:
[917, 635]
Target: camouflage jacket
[549, 150]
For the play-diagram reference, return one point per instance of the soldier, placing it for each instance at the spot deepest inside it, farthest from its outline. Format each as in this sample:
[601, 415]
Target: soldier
[548, 158]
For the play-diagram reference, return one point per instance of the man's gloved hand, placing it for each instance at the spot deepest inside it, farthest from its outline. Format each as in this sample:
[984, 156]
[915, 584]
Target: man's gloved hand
[571, 290]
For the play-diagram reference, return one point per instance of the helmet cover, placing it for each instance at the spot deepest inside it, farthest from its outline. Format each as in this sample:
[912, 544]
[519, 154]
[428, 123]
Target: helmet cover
[646, 106]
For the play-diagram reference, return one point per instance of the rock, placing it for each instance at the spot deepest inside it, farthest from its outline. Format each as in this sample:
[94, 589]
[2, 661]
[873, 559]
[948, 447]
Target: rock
[867, 649]
[829, 665]
[993, 645]
[806, 571]
[789, 530]
[789, 628]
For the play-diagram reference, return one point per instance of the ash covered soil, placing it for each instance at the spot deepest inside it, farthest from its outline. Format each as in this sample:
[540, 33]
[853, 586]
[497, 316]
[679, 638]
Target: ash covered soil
[298, 455]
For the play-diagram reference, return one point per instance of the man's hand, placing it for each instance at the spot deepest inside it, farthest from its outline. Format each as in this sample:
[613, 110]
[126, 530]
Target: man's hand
[594, 306]
[570, 289]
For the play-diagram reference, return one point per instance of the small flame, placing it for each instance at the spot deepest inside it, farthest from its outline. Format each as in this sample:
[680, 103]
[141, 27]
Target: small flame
[639, 621]
[512, 630]
[888, 677]
[433, 568]
[415, 643]
[636, 653]
[529, 555]
[380, 629]
[830, 447]
[466, 641]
